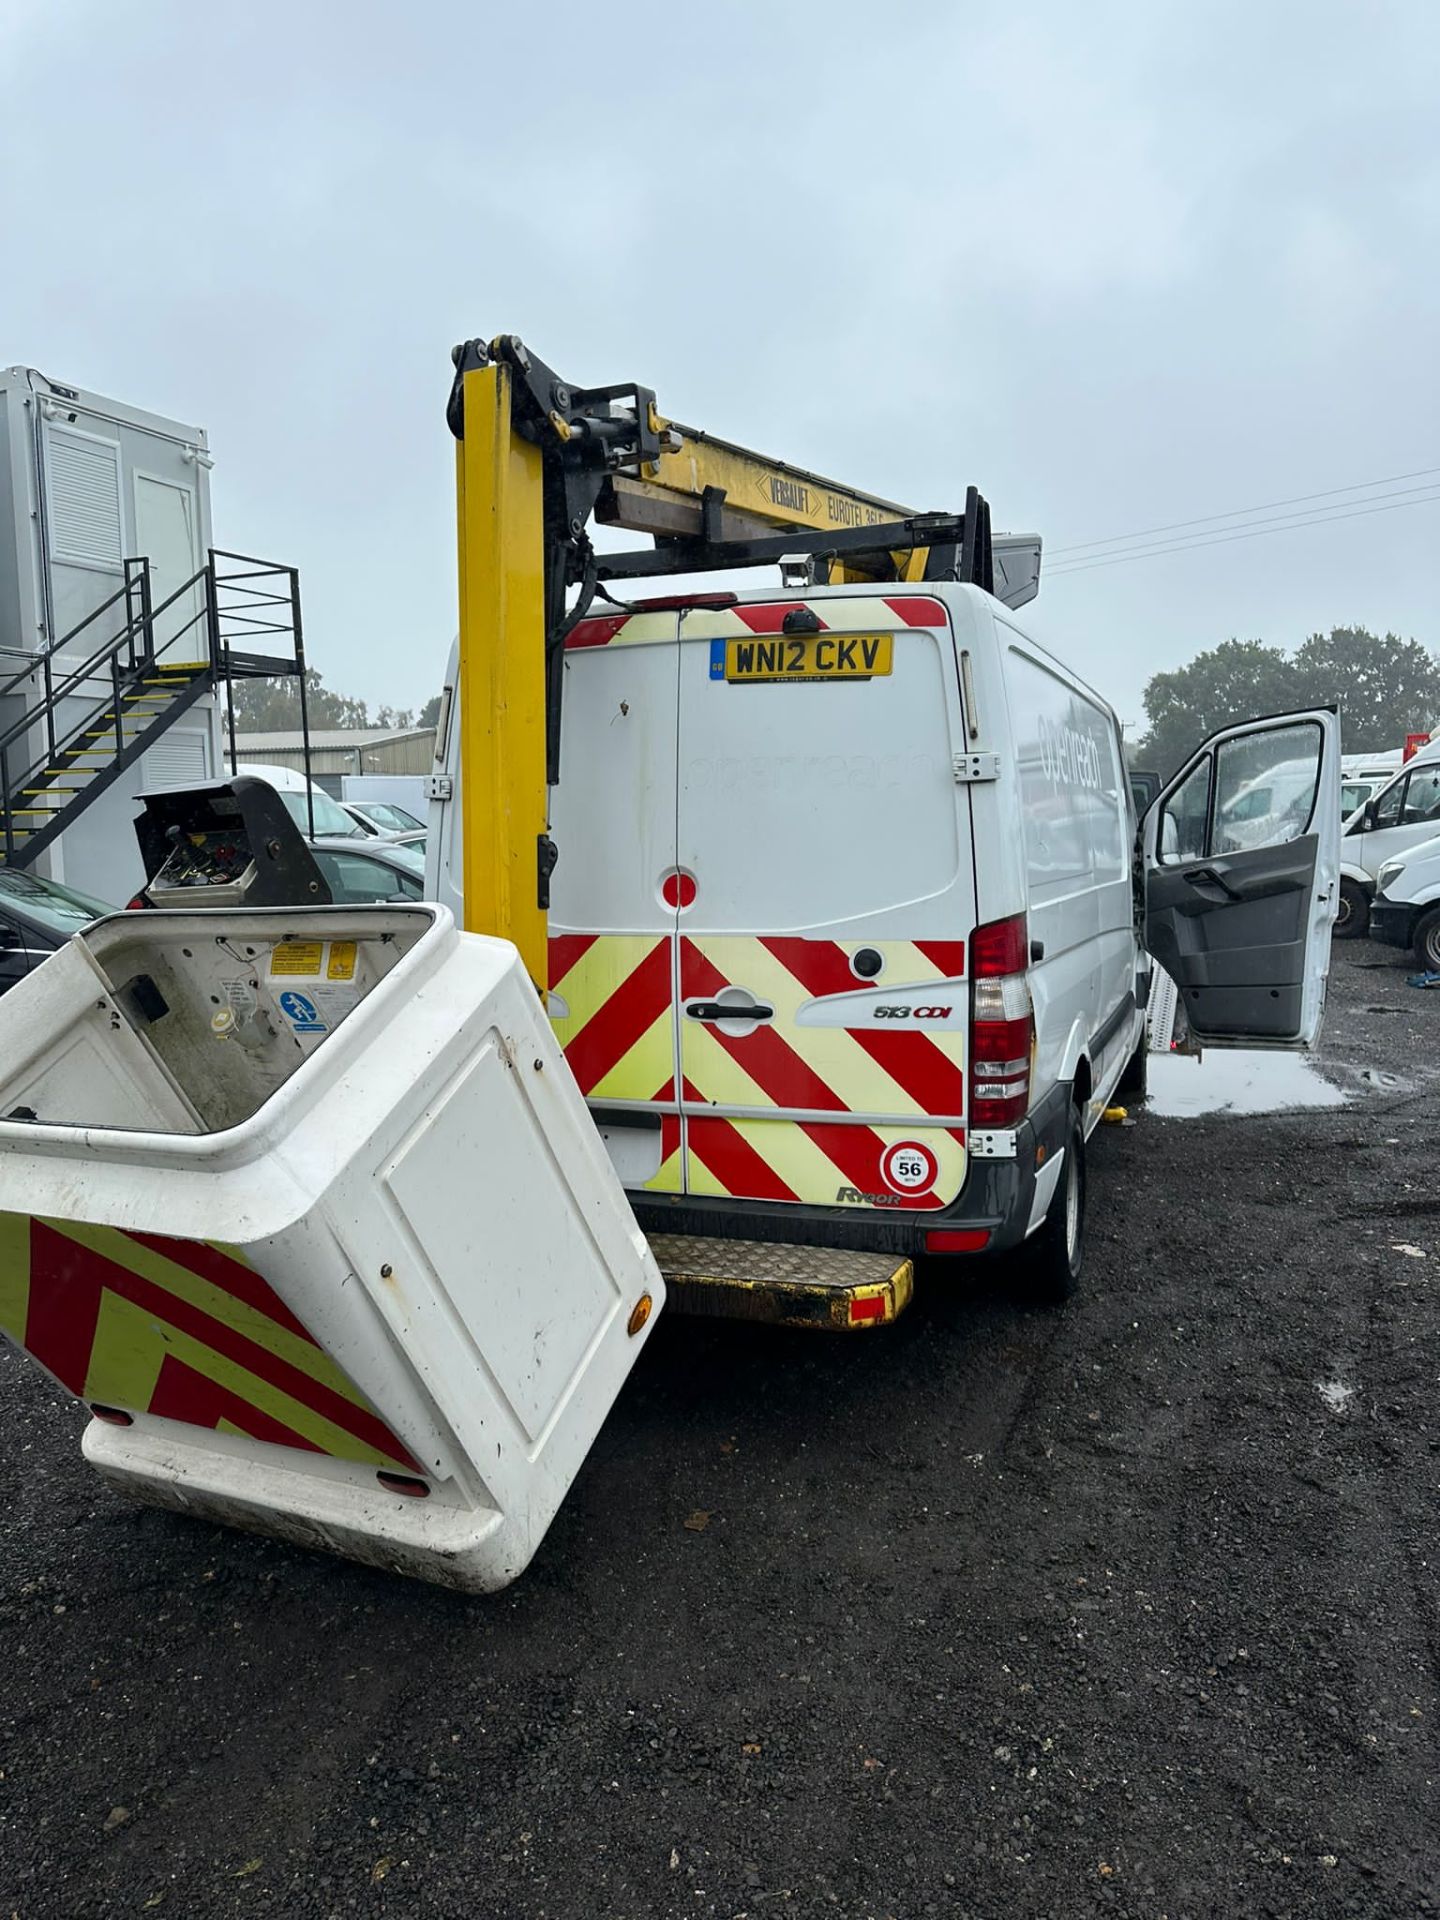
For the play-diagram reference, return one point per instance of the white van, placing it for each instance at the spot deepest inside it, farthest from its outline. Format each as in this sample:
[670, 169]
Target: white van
[1403, 813]
[305, 801]
[1363, 775]
[1406, 909]
[849, 928]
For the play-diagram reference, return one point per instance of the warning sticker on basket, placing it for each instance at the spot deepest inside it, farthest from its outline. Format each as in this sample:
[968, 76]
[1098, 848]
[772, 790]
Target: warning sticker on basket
[297, 959]
[909, 1167]
[302, 1013]
[341, 963]
[240, 996]
[334, 1002]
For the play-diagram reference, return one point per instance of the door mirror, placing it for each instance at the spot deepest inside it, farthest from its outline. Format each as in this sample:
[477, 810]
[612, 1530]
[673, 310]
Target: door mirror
[1367, 818]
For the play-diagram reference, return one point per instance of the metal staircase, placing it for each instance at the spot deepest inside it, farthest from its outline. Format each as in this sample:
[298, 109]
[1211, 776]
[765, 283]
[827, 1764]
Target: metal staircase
[86, 717]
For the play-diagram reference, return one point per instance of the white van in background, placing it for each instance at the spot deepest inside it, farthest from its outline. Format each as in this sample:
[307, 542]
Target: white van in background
[849, 933]
[1403, 813]
[304, 800]
[1406, 909]
[1362, 775]
[405, 790]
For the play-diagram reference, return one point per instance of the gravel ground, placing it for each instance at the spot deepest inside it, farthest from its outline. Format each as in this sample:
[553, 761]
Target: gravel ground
[1126, 1609]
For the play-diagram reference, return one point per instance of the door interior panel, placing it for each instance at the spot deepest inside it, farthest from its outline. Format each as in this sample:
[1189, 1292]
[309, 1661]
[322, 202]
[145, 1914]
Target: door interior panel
[1244, 927]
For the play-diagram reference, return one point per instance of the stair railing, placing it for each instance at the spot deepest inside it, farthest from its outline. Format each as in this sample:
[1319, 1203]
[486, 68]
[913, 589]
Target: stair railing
[252, 600]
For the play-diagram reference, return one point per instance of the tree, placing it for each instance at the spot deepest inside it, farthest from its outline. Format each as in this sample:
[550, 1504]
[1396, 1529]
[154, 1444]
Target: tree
[273, 706]
[1229, 682]
[1385, 687]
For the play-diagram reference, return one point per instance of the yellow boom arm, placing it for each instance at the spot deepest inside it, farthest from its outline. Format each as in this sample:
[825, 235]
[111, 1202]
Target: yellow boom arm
[536, 459]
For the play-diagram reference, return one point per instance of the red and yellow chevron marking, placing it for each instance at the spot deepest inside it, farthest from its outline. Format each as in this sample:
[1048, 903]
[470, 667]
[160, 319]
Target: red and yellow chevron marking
[183, 1329]
[860, 614]
[821, 1163]
[907, 1071]
[618, 1026]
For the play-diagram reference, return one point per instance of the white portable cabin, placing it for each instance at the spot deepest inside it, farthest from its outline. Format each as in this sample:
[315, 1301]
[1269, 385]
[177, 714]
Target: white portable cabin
[85, 484]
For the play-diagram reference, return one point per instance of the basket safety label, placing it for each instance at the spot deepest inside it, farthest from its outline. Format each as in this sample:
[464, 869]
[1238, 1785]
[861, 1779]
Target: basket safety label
[340, 965]
[302, 1013]
[333, 1002]
[297, 959]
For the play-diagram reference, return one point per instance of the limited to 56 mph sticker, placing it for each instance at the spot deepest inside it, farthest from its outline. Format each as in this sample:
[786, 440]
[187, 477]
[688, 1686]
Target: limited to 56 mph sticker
[909, 1167]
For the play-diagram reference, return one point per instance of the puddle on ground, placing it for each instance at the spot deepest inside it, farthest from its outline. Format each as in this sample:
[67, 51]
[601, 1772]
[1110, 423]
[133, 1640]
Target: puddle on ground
[1183, 1085]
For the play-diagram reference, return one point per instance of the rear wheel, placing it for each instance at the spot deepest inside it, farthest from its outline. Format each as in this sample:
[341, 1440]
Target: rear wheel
[1353, 917]
[1427, 942]
[1055, 1253]
[1135, 1080]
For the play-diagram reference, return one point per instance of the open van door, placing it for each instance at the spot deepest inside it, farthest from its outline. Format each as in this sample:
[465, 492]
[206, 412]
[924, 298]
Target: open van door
[1242, 870]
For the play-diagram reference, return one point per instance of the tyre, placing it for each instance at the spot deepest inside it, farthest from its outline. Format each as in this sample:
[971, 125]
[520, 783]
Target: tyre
[1353, 918]
[1054, 1255]
[1427, 941]
[1135, 1080]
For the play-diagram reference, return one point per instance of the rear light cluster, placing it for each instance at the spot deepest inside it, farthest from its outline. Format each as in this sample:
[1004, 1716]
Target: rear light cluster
[1002, 1023]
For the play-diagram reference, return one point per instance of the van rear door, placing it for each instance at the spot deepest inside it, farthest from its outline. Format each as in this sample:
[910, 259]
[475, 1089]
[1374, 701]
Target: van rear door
[827, 879]
[1242, 871]
[614, 897]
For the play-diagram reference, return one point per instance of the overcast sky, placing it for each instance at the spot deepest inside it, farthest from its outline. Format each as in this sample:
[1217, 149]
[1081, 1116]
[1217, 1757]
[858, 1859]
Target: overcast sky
[1118, 265]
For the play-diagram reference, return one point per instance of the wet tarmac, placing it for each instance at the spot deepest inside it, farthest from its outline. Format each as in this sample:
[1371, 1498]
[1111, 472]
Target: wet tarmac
[1184, 1086]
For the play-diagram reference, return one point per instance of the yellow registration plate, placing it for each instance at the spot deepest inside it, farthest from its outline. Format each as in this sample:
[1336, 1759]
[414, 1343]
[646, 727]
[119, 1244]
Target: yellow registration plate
[809, 656]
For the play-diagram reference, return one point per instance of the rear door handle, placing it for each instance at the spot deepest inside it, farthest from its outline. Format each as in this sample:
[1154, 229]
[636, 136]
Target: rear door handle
[720, 1010]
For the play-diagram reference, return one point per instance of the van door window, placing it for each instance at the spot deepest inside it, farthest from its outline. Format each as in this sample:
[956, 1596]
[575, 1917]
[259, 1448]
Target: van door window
[1182, 825]
[1387, 807]
[1265, 788]
[1422, 797]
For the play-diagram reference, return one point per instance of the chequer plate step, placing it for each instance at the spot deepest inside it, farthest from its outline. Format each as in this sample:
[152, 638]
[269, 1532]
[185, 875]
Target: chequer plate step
[788, 1286]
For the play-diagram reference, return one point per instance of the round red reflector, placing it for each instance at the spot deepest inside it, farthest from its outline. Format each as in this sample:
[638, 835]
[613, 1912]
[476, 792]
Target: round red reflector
[678, 889]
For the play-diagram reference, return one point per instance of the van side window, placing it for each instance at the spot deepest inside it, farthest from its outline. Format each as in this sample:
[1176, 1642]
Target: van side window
[1422, 797]
[1387, 807]
[1182, 824]
[1265, 785]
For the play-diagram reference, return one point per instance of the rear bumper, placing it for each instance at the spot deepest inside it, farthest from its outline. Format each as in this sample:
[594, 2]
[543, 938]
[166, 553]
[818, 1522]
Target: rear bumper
[1392, 921]
[998, 1198]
